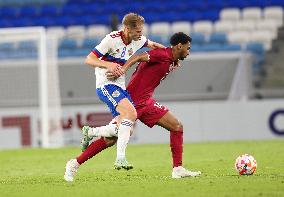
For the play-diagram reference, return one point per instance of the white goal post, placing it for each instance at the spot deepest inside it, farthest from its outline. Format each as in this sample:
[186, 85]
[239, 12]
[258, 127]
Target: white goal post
[44, 60]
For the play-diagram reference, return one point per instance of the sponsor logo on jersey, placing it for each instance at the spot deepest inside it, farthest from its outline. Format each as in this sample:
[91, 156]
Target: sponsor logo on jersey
[116, 93]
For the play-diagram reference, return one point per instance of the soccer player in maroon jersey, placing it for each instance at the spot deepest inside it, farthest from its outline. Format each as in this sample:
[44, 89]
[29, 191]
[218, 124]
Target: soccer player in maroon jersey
[154, 66]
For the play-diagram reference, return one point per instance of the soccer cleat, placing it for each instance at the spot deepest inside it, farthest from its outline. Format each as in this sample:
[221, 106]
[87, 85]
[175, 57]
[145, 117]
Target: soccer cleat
[122, 164]
[71, 169]
[86, 139]
[181, 172]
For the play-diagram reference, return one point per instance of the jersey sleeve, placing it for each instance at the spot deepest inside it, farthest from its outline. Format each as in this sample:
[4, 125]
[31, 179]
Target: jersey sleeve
[104, 47]
[157, 55]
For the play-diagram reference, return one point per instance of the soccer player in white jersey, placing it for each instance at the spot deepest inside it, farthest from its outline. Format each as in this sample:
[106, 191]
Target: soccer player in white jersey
[113, 51]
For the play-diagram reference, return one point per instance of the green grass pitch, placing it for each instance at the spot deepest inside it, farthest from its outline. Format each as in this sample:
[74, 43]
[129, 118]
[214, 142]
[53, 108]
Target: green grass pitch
[39, 172]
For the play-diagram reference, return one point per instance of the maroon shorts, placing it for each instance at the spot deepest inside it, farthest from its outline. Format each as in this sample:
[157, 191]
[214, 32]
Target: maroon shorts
[150, 112]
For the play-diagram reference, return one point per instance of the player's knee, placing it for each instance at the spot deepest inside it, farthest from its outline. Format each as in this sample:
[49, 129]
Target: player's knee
[110, 141]
[178, 126]
[131, 115]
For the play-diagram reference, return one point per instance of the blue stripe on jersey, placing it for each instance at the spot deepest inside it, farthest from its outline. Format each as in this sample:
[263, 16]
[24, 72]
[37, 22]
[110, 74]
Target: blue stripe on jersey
[97, 52]
[114, 59]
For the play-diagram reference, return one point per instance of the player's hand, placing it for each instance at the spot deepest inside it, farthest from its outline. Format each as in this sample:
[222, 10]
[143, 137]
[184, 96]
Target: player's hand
[115, 69]
[111, 76]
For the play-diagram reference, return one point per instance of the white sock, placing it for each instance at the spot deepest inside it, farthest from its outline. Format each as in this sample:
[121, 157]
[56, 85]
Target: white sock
[123, 137]
[109, 130]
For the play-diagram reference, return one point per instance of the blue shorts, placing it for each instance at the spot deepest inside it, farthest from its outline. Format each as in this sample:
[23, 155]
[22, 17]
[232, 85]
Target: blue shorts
[111, 95]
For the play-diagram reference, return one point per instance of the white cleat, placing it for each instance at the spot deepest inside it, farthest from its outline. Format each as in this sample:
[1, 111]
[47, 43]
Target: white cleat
[71, 169]
[181, 172]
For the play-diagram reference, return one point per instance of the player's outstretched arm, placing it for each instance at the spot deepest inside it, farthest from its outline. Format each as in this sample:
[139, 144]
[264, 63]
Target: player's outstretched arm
[154, 45]
[141, 57]
[93, 61]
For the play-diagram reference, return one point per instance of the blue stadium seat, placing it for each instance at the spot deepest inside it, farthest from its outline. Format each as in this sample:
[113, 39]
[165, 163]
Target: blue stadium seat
[218, 38]
[89, 43]
[22, 22]
[43, 21]
[67, 44]
[231, 47]
[211, 15]
[50, 11]
[72, 10]
[276, 3]
[191, 16]
[237, 4]
[29, 11]
[211, 47]
[258, 50]
[64, 21]
[6, 46]
[5, 23]
[197, 38]
[9, 12]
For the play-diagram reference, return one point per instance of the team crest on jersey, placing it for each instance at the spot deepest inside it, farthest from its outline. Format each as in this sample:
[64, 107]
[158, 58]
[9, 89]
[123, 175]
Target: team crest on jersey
[116, 93]
[130, 51]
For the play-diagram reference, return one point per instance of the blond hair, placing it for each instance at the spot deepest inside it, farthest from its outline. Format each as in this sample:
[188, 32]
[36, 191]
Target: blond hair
[133, 20]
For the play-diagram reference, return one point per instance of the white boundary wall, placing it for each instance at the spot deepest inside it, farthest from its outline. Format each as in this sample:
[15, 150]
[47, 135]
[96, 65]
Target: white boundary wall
[203, 121]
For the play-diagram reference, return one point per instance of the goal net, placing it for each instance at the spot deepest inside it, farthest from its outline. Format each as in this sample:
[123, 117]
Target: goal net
[29, 81]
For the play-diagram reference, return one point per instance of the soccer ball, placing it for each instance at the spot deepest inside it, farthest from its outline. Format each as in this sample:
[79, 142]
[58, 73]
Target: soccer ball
[245, 164]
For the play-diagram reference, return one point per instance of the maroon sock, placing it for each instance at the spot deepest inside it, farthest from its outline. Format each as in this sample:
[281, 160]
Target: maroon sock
[93, 149]
[176, 142]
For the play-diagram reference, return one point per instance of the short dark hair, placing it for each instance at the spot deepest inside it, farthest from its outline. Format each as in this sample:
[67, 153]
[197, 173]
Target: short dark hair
[179, 37]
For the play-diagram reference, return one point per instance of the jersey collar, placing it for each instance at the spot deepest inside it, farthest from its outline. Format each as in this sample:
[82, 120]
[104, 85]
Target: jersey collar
[123, 38]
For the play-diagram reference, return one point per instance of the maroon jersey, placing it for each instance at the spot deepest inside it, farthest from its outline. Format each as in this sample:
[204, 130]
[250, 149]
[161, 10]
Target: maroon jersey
[148, 75]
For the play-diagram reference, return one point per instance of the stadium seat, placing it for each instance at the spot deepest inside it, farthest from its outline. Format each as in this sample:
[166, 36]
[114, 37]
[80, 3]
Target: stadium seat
[230, 14]
[252, 13]
[197, 38]
[218, 38]
[211, 15]
[204, 27]
[181, 26]
[160, 28]
[245, 25]
[211, 47]
[264, 37]
[7, 12]
[77, 31]
[236, 4]
[257, 49]
[232, 47]
[191, 16]
[90, 43]
[268, 25]
[29, 11]
[97, 31]
[73, 10]
[274, 13]
[223, 26]
[50, 10]
[6, 46]
[68, 43]
[57, 31]
[239, 37]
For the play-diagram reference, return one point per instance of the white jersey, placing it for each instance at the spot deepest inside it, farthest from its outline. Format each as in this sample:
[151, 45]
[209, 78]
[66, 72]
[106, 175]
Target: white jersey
[113, 49]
